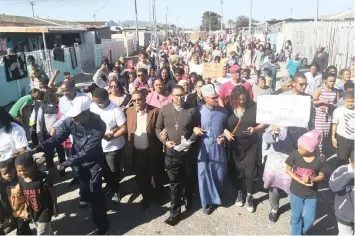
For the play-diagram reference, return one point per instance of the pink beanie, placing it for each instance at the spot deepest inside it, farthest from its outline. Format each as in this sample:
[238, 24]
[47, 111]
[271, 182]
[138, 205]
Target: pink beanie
[310, 140]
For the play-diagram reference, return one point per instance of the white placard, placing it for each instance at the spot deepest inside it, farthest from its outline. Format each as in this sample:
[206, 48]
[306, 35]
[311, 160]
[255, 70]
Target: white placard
[198, 69]
[284, 110]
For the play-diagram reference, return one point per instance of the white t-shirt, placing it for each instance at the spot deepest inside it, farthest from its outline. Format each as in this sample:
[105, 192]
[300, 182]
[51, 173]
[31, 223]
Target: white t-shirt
[113, 117]
[10, 142]
[345, 120]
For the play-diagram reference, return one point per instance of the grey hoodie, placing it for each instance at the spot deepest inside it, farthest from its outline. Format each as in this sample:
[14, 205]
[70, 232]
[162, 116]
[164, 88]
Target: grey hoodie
[342, 184]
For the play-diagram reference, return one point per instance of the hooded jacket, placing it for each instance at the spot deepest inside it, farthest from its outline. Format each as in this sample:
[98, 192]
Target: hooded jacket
[342, 184]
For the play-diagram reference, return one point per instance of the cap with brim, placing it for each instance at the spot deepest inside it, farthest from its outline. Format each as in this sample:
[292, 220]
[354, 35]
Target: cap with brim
[79, 105]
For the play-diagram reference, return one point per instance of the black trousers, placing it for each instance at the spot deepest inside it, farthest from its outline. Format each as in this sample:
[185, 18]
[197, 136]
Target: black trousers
[181, 181]
[23, 227]
[90, 181]
[143, 162]
[112, 169]
[49, 153]
[345, 146]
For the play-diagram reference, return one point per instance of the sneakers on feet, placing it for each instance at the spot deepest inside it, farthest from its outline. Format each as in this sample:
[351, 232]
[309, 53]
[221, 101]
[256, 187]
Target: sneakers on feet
[250, 204]
[273, 216]
[116, 198]
[83, 204]
[240, 200]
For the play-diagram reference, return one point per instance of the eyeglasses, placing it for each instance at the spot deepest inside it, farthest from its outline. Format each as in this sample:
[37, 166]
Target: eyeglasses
[113, 86]
[136, 100]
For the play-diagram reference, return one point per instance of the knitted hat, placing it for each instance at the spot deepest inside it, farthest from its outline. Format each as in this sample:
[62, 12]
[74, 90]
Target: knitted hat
[310, 140]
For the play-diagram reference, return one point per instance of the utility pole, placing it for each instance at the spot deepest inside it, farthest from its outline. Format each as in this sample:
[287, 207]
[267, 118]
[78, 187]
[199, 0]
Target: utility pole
[33, 12]
[166, 23]
[137, 36]
[222, 15]
[209, 18]
[155, 23]
[95, 17]
[316, 22]
[150, 14]
[250, 16]
[291, 12]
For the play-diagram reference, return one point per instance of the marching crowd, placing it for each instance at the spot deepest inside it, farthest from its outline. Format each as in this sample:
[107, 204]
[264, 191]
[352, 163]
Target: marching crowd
[160, 118]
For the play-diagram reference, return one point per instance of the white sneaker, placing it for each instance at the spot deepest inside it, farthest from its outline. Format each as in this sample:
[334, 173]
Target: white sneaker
[240, 201]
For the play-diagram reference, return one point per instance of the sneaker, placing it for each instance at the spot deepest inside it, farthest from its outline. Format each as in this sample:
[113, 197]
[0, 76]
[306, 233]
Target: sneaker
[83, 204]
[250, 204]
[273, 216]
[240, 200]
[116, 198]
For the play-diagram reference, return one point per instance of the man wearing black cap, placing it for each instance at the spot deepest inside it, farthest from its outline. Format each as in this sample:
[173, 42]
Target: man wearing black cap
[87, 130]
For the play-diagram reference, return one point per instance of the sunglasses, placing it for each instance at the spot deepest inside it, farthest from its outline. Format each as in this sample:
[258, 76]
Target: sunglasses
[213, 98]
[113, 86]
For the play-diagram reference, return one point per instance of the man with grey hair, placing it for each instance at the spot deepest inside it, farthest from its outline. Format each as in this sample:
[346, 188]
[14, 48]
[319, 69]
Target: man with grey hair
[212, 158]
[286, 85]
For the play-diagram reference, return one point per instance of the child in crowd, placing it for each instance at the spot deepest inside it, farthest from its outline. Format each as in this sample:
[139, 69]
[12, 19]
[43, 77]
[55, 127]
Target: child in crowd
[17, 201]
[47, 117]
[306, 170]
[39, 192]
[348, 87]
[343, 129]
[342, 184]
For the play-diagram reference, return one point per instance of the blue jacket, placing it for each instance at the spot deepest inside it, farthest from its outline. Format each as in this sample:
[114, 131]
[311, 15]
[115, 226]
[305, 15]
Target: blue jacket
[87, 149]
[342, 184]
[292, 66]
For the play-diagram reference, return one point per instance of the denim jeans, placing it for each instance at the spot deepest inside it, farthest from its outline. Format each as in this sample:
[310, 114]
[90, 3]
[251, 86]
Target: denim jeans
[272, 72]
[300, 225]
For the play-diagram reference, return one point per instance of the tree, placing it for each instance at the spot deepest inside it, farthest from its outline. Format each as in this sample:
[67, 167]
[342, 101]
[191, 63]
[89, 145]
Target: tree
[231, 23]
[243, 21]
[210, 19]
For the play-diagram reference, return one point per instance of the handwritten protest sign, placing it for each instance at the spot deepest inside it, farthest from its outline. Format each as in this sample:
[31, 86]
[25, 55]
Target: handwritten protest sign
[284, 110]
[195, 36]
[213, 70]
[198, 69]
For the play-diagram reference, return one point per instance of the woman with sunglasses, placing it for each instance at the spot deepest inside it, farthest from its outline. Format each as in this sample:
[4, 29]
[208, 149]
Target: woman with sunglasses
[117, 94]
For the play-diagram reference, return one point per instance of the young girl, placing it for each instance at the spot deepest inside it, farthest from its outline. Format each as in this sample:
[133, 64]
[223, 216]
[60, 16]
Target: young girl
[325, 100]
[17, 200]
[39, 193]
[306, 170]
[46, 118]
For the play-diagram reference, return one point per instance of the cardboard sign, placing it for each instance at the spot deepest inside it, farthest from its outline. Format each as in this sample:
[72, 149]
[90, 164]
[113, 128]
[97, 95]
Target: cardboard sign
[195, 36]
[284, 110]
[213, 70]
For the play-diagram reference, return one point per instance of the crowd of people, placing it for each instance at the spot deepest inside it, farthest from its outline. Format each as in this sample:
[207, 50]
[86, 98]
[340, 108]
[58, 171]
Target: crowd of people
[161, 119]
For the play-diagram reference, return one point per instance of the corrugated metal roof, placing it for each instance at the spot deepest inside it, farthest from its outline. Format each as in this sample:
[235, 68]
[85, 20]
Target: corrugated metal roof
[339, 16]
[9, 20]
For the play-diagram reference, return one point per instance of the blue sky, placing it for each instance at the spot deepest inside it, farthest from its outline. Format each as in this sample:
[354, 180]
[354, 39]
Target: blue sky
[185, 13]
